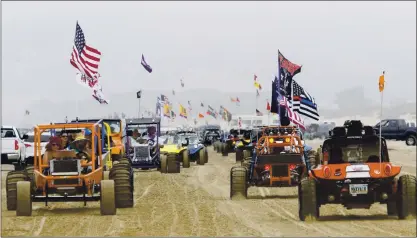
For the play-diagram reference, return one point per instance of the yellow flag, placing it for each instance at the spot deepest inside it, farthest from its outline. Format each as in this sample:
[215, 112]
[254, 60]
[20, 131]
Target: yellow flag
[382, 82]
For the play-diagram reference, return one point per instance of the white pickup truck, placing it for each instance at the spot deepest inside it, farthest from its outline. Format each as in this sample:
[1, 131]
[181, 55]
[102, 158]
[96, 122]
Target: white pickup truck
[13, 148]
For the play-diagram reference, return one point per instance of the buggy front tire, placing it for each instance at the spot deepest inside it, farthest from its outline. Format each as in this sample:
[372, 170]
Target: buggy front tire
[164, 164]
[239, 155]
[200, 157]
[406, 196]
[205, 155]
[185, 159]
[123, 186]
[307, 200]
[107, 198]
[224, 150]
[238, 182]
[24, 199]
[13, 177]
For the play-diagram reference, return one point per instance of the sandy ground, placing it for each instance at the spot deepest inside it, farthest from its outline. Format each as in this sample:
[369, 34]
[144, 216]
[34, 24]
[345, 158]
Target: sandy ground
[196, 203]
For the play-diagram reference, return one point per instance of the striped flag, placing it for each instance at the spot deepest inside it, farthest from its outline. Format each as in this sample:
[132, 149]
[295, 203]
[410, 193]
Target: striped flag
[303, 102]
[293, 116]
[146, 65]
[83, 57]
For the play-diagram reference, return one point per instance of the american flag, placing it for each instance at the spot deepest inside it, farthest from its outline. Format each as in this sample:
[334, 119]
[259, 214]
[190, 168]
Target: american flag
[303, 102]
[84, 58]
[292, 115]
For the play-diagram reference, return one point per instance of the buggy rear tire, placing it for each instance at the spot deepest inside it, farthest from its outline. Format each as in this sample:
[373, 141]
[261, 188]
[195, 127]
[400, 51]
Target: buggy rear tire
[30, 174]
[246, 154]
[24, 199]
[224, 150]
[307, 200]
[238, 182]
[205, 155]
[123, 185]
[215, 146]
[406, 196]
[107, 197]
[13, 177]
[200, 157]
[239, 155]
[185, 159]
[164, 164]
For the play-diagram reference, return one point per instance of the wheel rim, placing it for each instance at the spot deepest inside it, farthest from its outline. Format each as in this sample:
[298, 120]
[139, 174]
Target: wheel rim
[410, 140]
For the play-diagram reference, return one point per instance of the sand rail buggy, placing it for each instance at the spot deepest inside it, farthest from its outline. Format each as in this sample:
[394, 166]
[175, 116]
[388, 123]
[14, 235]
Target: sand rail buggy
[277, 161]
[228, 142]
[351, 174]
[245, 146]
[210, 134]
[76, 174]
[185, 147]
[143, 146]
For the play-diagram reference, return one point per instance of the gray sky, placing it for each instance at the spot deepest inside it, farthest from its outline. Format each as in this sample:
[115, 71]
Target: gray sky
[210, 44]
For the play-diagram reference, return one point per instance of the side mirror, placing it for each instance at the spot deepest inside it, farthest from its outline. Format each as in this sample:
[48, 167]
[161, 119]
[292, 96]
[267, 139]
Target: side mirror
[129, 133]
[25, 137]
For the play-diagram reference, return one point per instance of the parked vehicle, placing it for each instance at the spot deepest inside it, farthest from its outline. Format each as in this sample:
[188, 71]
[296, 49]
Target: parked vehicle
[397, 129]
[13, 147]
[30, 145]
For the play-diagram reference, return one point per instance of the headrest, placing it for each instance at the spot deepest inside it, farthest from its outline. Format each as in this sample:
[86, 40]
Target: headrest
[339, 131]
[369, 130]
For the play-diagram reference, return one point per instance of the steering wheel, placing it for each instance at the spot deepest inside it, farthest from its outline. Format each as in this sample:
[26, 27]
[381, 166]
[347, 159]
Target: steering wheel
[83, 156]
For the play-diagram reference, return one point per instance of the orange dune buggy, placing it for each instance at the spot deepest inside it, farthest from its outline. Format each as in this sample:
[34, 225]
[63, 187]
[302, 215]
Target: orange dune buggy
[277, 161]
[77, 174]
[351, 173]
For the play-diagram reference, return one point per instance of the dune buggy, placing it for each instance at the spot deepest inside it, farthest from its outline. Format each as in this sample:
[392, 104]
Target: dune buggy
[229, 142]
[143, 149]
[76, 174]
[352, 173]
[210, 134]
[277, 161]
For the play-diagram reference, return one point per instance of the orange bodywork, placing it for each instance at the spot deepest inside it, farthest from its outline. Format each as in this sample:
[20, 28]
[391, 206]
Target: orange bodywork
[338, 171]
[89, 179]
[268, 143]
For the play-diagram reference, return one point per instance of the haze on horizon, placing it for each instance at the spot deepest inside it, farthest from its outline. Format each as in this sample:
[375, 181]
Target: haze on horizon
[212, 45]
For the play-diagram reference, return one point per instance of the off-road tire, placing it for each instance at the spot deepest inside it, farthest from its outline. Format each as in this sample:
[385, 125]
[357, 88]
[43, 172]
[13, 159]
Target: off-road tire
[238, 182]
[185, 159]
[205, 155]
[11, 187]
[116, 157]
[246, 154]
[307, 200]
[410, 140]
[215, 146]
[200, 157]
[239, 155]
[173, 165]
[30, 173]
[107, 197]
[24, 198]
[406, 196]
[224, 149]
[123, 185]
[392, 208]
[164, 164]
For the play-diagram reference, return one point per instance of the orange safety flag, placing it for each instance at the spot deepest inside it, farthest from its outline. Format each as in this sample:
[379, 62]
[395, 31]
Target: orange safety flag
[200, 115]
[382, 82]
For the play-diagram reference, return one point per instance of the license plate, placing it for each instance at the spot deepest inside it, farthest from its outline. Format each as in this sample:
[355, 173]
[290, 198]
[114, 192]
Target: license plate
[356, 189]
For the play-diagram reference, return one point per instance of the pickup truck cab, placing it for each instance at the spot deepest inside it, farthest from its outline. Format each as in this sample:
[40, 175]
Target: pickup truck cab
[397, 129]
[13, 147]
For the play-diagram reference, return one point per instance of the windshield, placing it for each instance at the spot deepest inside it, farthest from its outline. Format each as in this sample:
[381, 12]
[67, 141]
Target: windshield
[355, 153]
[115, 126]
[44, 138]
[7, 133]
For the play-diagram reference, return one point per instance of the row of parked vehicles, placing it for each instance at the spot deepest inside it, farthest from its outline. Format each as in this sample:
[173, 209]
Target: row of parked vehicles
[93, 160]
[352, 168]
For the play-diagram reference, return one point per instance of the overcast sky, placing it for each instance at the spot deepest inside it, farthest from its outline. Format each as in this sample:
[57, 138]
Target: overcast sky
[209, 44]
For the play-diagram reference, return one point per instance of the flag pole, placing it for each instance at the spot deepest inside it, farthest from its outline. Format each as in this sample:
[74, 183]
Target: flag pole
[381, 89]
[279, 88]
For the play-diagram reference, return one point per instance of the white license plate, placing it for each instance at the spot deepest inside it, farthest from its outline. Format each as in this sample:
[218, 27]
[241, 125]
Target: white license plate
[356, 189]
